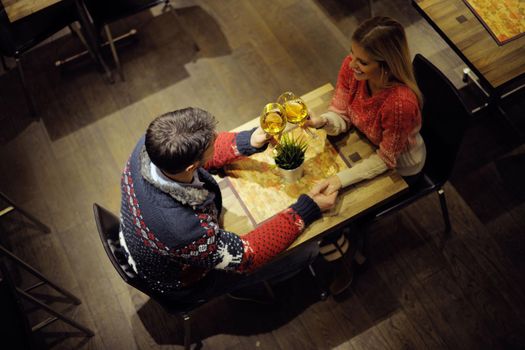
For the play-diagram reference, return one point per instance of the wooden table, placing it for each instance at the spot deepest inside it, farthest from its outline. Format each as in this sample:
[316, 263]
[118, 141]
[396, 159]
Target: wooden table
[500, 68]
[17, 9]
[245, 192]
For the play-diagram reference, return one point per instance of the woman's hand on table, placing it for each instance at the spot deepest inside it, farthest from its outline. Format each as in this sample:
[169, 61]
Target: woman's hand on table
[334, 184]
[321, 196]
[259, 138]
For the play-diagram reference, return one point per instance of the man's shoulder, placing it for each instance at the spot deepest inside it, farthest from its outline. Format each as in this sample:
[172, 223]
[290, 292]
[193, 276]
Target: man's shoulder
[170, 221]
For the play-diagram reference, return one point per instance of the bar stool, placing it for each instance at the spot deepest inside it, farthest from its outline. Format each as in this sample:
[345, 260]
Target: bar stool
[24, 294]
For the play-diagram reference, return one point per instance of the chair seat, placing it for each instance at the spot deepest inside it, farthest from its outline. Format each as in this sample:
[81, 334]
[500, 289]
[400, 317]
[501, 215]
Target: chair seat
[177, 308]
[423, 186]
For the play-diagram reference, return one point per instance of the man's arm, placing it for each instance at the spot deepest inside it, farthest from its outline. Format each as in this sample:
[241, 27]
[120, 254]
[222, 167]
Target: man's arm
[221, 249]
[231, 146]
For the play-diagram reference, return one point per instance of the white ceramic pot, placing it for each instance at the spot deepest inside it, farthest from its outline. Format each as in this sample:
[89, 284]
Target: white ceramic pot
[292, 175]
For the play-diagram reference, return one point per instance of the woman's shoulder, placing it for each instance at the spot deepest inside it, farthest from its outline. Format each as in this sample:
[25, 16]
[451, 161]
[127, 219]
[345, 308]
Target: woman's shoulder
[400, 99]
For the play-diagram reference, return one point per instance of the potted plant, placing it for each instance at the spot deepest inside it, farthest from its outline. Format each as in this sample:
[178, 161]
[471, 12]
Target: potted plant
[289, 156]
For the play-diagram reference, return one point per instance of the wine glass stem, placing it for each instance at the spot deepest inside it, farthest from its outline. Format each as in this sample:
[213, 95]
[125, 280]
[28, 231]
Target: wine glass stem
[276, 139]
[308, 131]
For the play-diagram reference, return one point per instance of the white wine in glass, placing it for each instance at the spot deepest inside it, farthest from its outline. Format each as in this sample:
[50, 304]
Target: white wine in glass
[273, 119]
[296, 110]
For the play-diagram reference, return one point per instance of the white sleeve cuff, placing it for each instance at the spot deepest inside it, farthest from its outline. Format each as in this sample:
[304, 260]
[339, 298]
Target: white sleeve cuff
[368, 168]
[335, 123]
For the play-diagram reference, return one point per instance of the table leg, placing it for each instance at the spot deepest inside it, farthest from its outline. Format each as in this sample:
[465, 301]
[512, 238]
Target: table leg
[493, 102]
[91, 38]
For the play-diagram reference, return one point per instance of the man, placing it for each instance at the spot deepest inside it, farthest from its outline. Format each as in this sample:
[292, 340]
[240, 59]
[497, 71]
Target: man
[171, 207]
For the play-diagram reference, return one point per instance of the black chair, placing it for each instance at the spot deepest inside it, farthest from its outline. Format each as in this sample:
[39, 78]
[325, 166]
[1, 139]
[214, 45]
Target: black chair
[37, 300]
[445, 119]
[13, 321]
[104, 13]
[11, 206]
[108, 229]
[20, 36]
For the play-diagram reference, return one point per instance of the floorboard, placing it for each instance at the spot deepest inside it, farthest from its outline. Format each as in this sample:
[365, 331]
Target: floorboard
[413, 293]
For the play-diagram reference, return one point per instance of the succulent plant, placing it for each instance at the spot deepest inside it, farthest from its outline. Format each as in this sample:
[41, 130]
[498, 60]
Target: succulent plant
[290, 152]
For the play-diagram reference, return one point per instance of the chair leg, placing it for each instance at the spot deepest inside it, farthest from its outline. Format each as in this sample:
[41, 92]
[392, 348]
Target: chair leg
[444, 211]
[4, 65]
[269, 290]
[323, 295]
[167, 6]
[32, 299]
[187, 331]
[58, 315]
[37, 273]
[26, 214]
[113, 51]
[93, 47]
[29, 98]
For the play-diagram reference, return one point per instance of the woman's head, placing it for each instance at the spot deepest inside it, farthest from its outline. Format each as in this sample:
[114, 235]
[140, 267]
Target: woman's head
[380, 50]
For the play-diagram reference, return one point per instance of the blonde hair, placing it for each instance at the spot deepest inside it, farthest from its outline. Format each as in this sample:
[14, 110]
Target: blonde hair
[385, 41]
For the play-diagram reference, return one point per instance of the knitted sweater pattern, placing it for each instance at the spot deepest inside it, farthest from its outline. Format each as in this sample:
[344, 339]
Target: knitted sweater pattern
[173, 233]
[390, 119]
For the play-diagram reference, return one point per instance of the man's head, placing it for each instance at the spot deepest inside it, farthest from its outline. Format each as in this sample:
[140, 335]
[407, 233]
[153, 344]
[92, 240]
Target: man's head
[180, 139]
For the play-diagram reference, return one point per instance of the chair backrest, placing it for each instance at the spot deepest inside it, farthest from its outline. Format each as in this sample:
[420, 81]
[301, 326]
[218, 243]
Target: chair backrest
[445, 119]
[108, 226]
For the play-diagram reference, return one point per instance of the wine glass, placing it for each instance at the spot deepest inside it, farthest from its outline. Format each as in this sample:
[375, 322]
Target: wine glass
[296, 110]
[273, 119]
[285, 97]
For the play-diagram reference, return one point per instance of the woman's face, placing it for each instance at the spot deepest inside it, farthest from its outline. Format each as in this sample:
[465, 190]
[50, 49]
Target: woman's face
[364, 67]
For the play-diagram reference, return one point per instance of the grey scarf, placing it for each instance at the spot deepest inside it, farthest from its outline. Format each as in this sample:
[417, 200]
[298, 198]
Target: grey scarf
[187, 195]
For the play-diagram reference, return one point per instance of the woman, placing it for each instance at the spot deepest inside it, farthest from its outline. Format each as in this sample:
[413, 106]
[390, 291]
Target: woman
[376, 92]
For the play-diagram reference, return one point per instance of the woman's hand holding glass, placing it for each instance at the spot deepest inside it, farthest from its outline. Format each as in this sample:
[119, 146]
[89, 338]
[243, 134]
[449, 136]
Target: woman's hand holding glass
[316, 122]
[296, 110]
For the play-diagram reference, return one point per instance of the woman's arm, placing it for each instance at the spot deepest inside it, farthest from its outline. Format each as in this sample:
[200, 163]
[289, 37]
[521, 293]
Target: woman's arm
[336, 120]
[368, 168]
[399, 117]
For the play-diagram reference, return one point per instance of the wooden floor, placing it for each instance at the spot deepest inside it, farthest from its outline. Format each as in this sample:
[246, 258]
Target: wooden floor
[468, 295]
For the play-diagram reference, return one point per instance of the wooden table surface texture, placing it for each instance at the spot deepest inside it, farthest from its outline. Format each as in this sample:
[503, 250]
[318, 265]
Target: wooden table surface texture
[18, 9]
[498, 64]
[351, 202]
